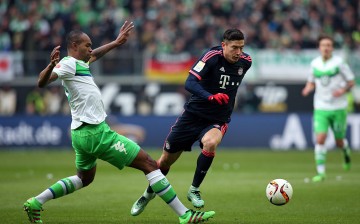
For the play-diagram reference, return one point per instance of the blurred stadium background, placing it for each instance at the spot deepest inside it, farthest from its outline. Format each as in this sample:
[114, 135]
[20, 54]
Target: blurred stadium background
[142, 82]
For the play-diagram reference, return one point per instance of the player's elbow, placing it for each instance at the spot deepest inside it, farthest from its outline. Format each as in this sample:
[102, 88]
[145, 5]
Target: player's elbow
[187, 87]
[189, 84]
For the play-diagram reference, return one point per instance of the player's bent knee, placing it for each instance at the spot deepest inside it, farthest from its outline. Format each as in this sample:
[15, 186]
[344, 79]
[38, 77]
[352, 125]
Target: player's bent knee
[149, 165]
[210, 145]
[87, 180]
[87, 176]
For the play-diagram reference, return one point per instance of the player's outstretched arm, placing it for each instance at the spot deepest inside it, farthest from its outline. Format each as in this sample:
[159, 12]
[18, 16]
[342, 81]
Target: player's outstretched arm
[120, 40]
[46, 76]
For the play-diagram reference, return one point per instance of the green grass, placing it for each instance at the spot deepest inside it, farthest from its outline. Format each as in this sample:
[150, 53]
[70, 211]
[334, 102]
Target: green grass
[234, 188]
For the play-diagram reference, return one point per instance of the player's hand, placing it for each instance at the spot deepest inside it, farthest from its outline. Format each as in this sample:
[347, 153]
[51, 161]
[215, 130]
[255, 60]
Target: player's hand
[55, 56]
[219, 98]
[305, 92]
[339, 92]
[124, 32]
[309, 87]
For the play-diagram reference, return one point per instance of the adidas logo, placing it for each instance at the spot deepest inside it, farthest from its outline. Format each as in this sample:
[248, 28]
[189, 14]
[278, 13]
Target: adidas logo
[222, 69]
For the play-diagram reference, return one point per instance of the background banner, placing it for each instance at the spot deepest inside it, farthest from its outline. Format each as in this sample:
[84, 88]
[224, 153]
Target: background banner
[274, 131]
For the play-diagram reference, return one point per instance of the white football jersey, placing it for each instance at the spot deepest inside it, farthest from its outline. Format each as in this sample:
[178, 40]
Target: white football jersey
[83, 94]
[329, 76]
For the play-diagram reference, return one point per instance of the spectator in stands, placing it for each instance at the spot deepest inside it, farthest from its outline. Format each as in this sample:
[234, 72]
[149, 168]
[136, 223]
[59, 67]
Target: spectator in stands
[7, 100]
[35, 102]
[247, 100]
[173, 27]
[53, 98]
[192, 19]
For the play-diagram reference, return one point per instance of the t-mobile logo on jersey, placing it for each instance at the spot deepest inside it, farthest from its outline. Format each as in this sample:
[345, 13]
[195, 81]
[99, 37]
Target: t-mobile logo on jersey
[224, 80]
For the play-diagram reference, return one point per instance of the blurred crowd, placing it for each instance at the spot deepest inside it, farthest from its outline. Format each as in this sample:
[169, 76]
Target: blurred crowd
[165, 26]
[49, 101]
[173, 26]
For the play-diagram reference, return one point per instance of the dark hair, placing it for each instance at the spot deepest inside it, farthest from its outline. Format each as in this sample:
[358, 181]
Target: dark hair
[233, 34]
[73, 36]
[325, 36]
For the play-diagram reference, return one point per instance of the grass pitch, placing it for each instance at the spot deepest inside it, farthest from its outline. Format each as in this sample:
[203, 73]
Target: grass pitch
[234, 188]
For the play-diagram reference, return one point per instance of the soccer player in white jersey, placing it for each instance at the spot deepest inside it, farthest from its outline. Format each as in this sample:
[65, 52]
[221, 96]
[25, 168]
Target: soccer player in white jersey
[332, 79]
[92, 137]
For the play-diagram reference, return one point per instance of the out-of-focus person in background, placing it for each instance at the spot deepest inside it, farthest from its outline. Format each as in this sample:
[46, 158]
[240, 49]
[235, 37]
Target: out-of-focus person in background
[247, 101]
[53, 98]
[35, 104]
[7, 100]
[332, 79]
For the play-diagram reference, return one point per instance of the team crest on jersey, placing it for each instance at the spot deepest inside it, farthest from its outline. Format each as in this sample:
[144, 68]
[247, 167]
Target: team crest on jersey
[240, 71]
[325, 80]
[199, 66]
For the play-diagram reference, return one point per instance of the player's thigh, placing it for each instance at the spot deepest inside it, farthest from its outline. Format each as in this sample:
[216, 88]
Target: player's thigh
[212, 135]
[321, 121]
[183, 133]
[83, 159]
[339, 124]
[117, 149]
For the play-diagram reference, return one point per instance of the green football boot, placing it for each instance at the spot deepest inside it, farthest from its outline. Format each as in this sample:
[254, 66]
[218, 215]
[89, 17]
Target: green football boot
[140, 204]
[33, 207]
[196, 216]
[318, 178]
[195, 198]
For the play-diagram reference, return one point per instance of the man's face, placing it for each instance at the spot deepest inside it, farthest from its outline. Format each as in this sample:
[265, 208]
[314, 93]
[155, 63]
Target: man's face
[233, 49]
[326, 48]
[84, 48]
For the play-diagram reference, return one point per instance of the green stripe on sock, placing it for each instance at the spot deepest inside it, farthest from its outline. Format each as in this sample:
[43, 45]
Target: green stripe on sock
[160, 185]
[320, 158]
[169, 195]
[58, 190]
[70, 187]
[163, 186]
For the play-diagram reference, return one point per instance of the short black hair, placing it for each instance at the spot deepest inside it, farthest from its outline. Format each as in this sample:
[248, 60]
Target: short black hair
[233, 34]
[325, 36]
[73, 36]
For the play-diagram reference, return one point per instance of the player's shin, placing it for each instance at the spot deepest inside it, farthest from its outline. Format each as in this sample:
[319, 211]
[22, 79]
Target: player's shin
[164, 190]
[320, 158]
[61, 188]
[203, 164]
[347, 153]
[149, 191]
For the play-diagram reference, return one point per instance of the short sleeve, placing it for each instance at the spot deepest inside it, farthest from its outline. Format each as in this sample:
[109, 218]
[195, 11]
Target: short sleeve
[205, 63]
[65, 68]
[311, 76]
[346, 72]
